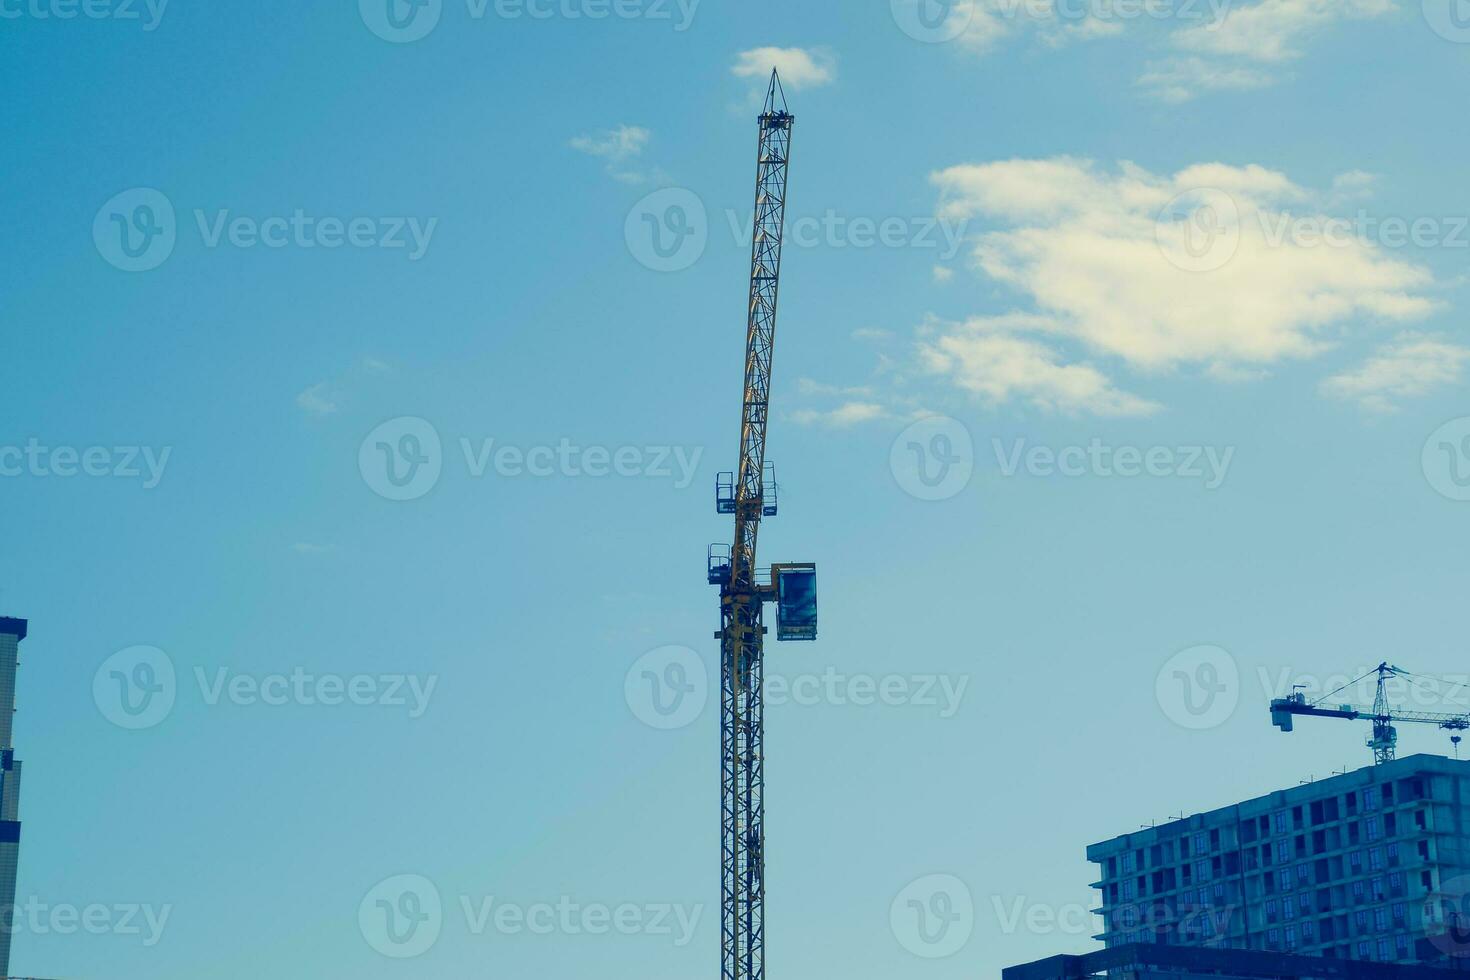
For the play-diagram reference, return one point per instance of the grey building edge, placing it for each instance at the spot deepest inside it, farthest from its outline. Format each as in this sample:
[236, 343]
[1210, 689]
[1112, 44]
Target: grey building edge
[1314, 828]
[1192, 963]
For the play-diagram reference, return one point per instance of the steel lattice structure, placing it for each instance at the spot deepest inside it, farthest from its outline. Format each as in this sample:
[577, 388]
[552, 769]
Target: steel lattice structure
[742, 596]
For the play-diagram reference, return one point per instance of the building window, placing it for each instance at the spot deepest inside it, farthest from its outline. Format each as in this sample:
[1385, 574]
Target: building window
[1375, 828]
[1400, 913]
[1380, 919]
[1375, 858]
[1283, 879]
[1385, 951]
[1370, 798]
[1283, 851]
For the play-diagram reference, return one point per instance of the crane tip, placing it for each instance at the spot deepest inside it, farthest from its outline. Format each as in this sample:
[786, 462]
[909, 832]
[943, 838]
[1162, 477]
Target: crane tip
[775, 96]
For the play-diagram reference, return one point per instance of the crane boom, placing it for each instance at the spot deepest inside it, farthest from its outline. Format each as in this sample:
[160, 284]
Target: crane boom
[1384, 741]
[749, 493]
[742, 630]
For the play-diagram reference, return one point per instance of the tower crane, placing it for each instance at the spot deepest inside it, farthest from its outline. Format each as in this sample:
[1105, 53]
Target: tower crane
[1384, 740]
[749, 493]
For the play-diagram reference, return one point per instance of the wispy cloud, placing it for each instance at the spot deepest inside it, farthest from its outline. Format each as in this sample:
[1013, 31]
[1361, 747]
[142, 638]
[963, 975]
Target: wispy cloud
[1243, 47]
[843, 416]
[1410, 366]
[1102, 259]
[621, 148]
[325, 398]
[799, 67]
[317, 400]
[984, 358]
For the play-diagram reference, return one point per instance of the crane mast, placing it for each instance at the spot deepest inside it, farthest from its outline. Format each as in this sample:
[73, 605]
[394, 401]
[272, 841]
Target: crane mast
[750, 494]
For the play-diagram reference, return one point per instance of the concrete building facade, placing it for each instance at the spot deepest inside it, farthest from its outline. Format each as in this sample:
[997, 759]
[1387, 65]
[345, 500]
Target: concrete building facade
[12, 631]
[1373, 866]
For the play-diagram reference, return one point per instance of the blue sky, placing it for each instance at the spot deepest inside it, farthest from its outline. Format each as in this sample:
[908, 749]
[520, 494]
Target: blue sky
[1120, 385]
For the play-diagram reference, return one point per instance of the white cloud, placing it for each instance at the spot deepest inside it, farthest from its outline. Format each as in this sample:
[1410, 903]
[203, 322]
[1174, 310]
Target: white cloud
[843, 416]
[798, 67]
[620, 147]
[872, 334]
[1411, 365]
[1272, 30]
[1181, 79]
[982, 357]
[943, 273]
[310, 548]
[1100, 263]
[1228, 53]
[318, 400]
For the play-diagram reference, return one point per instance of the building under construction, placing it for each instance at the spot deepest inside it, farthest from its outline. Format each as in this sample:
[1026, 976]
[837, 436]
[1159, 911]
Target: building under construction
[1368, 866]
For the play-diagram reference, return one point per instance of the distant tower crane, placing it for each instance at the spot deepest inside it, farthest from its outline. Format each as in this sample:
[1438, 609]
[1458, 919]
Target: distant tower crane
[1384, 740]
[750, 494]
